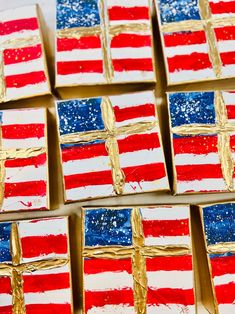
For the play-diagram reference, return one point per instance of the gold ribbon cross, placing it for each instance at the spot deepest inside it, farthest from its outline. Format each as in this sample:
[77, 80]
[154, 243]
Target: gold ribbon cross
[222, 128]
[17, 269]
[207, 23]
[109, 135]
[106, 31]
[138, 253]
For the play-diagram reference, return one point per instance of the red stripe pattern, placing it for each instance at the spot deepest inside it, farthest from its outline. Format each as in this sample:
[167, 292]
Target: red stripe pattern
[187, 52]
[87, 168]
[24, 68]
[81, 60]
[25, 180]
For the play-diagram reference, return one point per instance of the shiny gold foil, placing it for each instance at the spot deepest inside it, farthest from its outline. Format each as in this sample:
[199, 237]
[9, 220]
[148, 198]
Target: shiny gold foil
[16, 270]
[109, 135]
[152, 251]
[223, 128]
[221, 248]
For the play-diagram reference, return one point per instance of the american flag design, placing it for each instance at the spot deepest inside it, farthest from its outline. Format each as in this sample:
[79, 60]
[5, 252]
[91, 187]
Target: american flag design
[203, 138]
[35, 267]
[127, 264]
[24, 164]
[24, 71]
[198, 39]
[219, 225]
[88, 164]
[103, 41]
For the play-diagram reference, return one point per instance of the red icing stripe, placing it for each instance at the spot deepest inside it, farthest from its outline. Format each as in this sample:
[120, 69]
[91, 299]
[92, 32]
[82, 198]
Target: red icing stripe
[84, 152]
[23, 131]
[21, 80]
[41, 283]
[144, 173]
[121, 65]
[112, 297]
[131, 40]
[223, 265]
[36, 246]
[117, 13]
[5, 286]
[225, 33]
[170, 296]
[138, 142]
[195, 145]
[87, 42]
[49, 308]
[99, 265]
[122, 114]
[31, 188]
[186, 38]
[87, 179]
[169, 263]
[12, 56]
[162, 228]
[198, 172]
[225, 293]
[222, 7]
[13, 26]
[37, 161]
[232, 143]
[193, 62]
[230, 111]
[73, 67]
[228, 58]
[6, 309]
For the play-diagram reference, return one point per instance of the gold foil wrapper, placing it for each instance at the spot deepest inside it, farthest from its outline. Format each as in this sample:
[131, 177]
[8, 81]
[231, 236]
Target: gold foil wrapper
[221, 248]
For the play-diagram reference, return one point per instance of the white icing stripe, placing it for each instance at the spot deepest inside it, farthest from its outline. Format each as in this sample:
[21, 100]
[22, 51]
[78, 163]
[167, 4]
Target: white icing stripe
[24, 203]
[181, 76]
[89, 191]
[27, 91]
[127, 4]
[25, 174]
[112, 309]
[224, 279]
[18, 35]
[23, 116]
[106, 281]
[44, 257]
[43, 227]
[80, 54]
[133, 76]
[5, 300]
[218, 1]
[185, 49]
[135, 187]
[135, 120]
[58, 270]
[165, 213]
[132, 100]
[131, 53]
[228, 70]
[79, 78]
[226, 45]
[223, 15]
[23, 143]
[191, 159]
[174, 240]
[62, 296]
[24, 67]
[128, 22]
[229, 98]
[226, 308]
[86, 165]
[171, 309]
[18, 13]
[170, 279]
[201, 185]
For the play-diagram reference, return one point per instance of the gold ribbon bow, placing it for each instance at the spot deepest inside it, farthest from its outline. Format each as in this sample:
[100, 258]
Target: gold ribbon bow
[16, 270]
[106, 31]
[110, 135]
[138, 253]
[207, 23]
[223, 128]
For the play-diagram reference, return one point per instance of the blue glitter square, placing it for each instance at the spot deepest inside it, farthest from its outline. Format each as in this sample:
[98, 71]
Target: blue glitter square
[77, 13]
[178, 10]
[104, 227]
[219, 223]
[80, 115]
[192, 107]
[5, 246]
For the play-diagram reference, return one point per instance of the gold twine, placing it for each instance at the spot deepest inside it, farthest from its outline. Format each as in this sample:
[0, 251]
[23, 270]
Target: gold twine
[208, 23]
[223, 128]
[16, 270]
